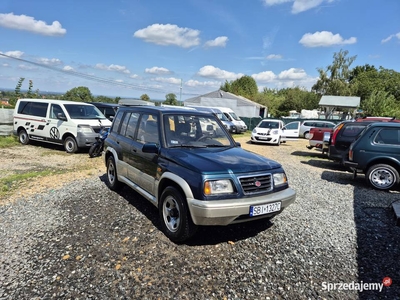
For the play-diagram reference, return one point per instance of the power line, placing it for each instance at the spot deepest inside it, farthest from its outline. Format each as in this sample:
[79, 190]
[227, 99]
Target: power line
[94, 78]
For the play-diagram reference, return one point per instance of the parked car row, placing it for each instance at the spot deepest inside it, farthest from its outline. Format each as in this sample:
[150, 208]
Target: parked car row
[368, 145]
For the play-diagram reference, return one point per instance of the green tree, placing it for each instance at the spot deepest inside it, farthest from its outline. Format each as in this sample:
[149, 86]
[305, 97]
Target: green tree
[81, 94]
[29, 94]
[104, 99]
[17, 94]
[170, 99]
[381, 104]
[244, 86]
[335, 79]
[145, 97]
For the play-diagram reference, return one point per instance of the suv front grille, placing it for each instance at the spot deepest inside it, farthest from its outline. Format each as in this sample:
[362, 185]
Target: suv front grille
[256, 184]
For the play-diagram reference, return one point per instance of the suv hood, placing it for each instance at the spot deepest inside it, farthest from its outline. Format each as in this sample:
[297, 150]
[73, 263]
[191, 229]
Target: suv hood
[220, 160]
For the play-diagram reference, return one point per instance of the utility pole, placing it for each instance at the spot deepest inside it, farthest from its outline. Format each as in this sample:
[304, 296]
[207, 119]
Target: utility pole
[180, 94]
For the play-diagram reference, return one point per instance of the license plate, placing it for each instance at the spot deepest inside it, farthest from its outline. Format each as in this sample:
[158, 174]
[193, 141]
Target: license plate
[263, 138]
[258, 210]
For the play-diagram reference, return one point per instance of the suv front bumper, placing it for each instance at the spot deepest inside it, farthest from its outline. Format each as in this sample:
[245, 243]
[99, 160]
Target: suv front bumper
[231, 211]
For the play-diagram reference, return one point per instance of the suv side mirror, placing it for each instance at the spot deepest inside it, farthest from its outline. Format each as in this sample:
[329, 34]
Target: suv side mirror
[150, 148]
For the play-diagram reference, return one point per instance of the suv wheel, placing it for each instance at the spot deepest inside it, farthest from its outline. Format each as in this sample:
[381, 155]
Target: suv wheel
[112, 177]
[175, 216]
[307, 135]
[382, 177]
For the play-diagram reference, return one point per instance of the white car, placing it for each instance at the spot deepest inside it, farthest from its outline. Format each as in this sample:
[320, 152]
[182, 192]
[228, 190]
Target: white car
[273, 131]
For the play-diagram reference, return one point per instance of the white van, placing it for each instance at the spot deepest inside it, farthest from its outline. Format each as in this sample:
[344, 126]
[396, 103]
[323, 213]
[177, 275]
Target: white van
[231, 115]
[72, 124]
[228, 124]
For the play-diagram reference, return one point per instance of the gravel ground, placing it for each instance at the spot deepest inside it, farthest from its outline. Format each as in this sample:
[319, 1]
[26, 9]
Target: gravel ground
[83, 241]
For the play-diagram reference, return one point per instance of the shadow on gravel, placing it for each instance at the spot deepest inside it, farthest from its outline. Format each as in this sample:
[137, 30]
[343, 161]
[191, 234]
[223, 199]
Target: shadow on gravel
[378, 237]
[309, 154]
[324, 164]
[206, 235]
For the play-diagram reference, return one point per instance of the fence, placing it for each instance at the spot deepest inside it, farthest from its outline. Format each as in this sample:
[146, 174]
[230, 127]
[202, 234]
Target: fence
[6, 121]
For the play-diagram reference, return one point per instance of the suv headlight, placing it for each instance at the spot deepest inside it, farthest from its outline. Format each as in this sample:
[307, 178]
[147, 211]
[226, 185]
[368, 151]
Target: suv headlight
[279, 179]
[254, 130]
[213, 187]
[85, 129]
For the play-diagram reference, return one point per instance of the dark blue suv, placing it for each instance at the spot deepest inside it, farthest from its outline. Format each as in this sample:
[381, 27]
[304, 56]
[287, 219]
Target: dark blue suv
[187, 164]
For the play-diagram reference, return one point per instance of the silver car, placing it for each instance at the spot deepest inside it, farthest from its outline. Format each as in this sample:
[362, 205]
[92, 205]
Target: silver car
[306, 125]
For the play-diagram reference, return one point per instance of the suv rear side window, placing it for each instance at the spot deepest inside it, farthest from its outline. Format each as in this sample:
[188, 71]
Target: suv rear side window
[117, 122]
[388, 136]
[352, 130]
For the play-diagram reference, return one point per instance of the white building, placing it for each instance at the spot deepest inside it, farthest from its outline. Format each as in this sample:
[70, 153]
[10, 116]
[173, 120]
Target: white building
[242, 106]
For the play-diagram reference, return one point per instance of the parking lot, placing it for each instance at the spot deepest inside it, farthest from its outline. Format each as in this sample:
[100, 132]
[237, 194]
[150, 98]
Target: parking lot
[69, 236]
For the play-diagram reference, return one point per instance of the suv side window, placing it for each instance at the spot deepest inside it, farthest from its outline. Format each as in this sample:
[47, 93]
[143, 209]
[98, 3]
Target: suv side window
[388, 136]
[309, 124]
[148, 129]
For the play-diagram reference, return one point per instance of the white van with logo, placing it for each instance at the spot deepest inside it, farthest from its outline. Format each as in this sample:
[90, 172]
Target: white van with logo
[72, 124]
[231, 115]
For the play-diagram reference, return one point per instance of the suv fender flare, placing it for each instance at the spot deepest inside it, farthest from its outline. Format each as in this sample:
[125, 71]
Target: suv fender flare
[179, 181]
[110, 151]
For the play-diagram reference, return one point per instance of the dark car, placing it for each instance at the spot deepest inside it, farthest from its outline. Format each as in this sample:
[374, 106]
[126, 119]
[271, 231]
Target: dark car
[345, 133]
[376, 153]
[192, 176]
[108, 109]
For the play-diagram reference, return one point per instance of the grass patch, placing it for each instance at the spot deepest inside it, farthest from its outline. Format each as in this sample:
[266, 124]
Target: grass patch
[10, 182]
[8, 141]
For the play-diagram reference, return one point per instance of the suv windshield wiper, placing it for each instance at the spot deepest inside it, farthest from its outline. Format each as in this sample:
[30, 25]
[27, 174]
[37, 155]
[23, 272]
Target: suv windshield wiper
[187, 146]
[217, 145]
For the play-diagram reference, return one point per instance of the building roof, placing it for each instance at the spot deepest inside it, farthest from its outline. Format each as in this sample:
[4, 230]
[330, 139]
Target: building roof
[339, 101]
[240, 101]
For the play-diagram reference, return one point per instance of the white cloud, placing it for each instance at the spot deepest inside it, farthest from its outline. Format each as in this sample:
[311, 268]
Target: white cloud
[213, 72]
[397, 35]
[112, 67]
[50, 61]
[195, 83]
[157, 71]
[168, 34]
[293, 74]
[68, 68]
[119, 80]
[134, 76]
[167, 80]
[27, 67]
[266, 76]
[26, 23]
[274, 57]
[324, 39]
[16, 54]
[217, 42]
[298, 5]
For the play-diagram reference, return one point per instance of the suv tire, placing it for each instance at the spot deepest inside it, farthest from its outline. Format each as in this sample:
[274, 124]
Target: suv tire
[176, 221]
[112, 177]
[382, 176]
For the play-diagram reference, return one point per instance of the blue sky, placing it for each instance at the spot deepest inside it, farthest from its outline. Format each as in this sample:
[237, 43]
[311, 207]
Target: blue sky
[128, 48]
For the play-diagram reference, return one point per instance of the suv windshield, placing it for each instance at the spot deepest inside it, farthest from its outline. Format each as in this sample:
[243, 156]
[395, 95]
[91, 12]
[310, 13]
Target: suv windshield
[80, 111]
[183, 130]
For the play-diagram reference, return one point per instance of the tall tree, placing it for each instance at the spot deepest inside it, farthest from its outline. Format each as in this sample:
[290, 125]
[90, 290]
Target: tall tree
[334, 80]
[29, 94]
[170, 99]
[145, 97]
[81, 94]
[244, 86]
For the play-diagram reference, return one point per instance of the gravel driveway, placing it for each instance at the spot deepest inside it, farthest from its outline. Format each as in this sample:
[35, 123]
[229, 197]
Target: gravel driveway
[80, 240]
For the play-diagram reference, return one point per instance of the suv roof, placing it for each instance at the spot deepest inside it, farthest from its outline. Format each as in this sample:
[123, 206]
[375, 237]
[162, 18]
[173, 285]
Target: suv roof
[377, 119]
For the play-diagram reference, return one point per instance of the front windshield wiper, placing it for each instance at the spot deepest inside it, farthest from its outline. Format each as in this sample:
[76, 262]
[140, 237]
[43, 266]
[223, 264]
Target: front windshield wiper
[187, 146]
[217, 145]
